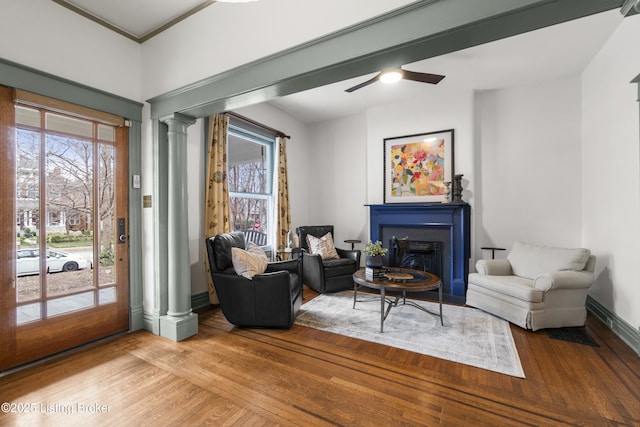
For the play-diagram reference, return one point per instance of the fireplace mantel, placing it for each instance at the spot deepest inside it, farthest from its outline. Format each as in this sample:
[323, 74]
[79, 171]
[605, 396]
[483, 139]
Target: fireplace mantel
[454, 217]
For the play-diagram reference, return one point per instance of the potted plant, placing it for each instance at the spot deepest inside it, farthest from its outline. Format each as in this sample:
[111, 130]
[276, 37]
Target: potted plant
[374, 253]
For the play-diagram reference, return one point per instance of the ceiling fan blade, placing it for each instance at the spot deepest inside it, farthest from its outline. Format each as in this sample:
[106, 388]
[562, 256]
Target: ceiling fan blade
[363, 84]
[422, 77]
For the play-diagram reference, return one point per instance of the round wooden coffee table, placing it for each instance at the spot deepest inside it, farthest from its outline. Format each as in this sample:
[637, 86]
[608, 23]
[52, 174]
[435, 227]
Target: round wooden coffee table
[398, 280]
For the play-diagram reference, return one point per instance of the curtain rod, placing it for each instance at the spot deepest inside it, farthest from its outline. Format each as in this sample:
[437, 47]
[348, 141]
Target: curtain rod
[260, 125]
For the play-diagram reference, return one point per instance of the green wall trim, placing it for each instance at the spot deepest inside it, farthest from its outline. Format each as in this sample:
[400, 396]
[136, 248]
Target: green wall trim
[420, 30]
[200, 300]
[626, 332]
[160, 217]
[151, 322]
[135, 227]
[22, 77]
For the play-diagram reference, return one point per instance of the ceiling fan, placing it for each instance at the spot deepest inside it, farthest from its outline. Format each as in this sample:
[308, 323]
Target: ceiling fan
[394, 74]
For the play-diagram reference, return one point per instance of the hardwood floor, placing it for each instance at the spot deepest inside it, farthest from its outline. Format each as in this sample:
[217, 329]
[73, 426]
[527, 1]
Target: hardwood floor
[230, 376]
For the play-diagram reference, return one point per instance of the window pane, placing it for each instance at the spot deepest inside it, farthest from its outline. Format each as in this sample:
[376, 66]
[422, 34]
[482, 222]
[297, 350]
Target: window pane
[249, 176]
[248, 213]
[247, 167]
[106, 133]
[29, 284]
[70, 303]
[70, 125]
[27, 116]
[69, 215]
[107, 295]
[106, 210]
[28, 313]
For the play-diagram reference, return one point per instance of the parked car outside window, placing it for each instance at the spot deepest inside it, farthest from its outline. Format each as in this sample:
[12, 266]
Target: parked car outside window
[28, 262]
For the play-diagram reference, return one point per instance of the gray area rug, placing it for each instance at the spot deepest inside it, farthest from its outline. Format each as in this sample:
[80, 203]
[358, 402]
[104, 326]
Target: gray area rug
[469, 336]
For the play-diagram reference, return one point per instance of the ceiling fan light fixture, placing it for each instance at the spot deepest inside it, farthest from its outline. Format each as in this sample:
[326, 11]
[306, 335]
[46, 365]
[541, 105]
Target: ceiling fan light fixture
[391, 76]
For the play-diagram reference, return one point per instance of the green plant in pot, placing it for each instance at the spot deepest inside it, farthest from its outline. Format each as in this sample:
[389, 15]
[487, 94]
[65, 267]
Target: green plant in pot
[374, 254]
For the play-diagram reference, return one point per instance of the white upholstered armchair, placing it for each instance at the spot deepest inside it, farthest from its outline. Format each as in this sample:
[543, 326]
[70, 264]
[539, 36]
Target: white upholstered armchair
[536, 287]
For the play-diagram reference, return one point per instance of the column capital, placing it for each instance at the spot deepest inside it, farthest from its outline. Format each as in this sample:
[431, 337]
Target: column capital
[178, 119]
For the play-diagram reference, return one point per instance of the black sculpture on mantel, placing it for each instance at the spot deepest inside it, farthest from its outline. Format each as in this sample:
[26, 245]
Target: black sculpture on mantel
[457, 188]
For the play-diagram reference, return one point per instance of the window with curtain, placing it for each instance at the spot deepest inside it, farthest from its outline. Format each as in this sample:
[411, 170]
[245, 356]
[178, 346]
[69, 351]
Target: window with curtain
[250, 170]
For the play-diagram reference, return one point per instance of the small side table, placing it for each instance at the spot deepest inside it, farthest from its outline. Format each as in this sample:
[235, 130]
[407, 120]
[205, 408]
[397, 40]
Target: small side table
[493, 250]
[353, 242]
[288, 253]
[283, 254]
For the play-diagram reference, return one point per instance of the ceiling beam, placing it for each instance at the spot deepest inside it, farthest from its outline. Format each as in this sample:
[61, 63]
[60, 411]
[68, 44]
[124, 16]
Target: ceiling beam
[418, 31]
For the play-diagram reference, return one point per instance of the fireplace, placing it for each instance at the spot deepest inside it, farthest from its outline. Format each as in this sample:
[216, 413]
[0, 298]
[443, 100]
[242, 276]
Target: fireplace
[438, 237]
[416, 254]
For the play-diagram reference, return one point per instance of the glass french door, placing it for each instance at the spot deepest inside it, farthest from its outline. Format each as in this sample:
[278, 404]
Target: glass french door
[67, 206]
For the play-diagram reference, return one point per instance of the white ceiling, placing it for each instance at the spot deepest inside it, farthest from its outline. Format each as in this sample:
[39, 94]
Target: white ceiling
[552, 52]
[136, 19]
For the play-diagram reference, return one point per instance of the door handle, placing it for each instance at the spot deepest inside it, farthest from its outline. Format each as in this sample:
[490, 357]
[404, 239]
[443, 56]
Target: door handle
[122, 231]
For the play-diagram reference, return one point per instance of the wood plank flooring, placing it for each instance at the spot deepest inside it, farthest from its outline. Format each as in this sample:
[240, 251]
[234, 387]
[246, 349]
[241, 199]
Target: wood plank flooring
[226, 376]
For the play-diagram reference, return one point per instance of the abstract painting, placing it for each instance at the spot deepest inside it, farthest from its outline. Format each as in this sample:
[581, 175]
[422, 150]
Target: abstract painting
[417, 166]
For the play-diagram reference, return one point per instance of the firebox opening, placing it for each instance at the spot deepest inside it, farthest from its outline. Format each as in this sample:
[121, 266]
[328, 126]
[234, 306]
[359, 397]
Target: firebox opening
[416, 254]
[428, 249]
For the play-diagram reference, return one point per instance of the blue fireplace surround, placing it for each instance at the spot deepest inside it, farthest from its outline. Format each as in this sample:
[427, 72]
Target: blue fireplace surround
[446, 221]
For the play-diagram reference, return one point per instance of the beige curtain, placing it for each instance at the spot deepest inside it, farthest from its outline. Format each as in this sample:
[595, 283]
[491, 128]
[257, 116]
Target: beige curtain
[217, 194]
[284, 210]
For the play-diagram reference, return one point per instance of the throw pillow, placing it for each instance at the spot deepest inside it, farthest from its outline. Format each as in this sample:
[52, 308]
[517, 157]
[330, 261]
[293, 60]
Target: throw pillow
[248, 263]
[323, 246]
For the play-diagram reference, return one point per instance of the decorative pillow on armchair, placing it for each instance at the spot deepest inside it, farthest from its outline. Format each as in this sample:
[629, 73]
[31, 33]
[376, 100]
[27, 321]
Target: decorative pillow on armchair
[248, 263]
[322, 246]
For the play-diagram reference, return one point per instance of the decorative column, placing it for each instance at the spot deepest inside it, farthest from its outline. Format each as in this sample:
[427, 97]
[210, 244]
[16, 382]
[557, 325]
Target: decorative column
[179, 322]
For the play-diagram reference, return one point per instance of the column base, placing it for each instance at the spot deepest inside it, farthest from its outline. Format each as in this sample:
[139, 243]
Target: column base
[179, 328]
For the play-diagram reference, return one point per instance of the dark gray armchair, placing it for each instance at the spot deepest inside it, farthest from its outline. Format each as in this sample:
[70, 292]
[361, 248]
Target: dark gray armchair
[328, 275]
[269, 300]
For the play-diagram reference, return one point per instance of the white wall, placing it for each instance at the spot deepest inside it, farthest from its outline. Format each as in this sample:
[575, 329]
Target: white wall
[225, 36]
[556, 162]
[337, 165]
[518, 148]
[345, 161]
[45, 36]
[432, 109]
[196, 179]
[528, 161]
[148, 263]
[611, 170]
